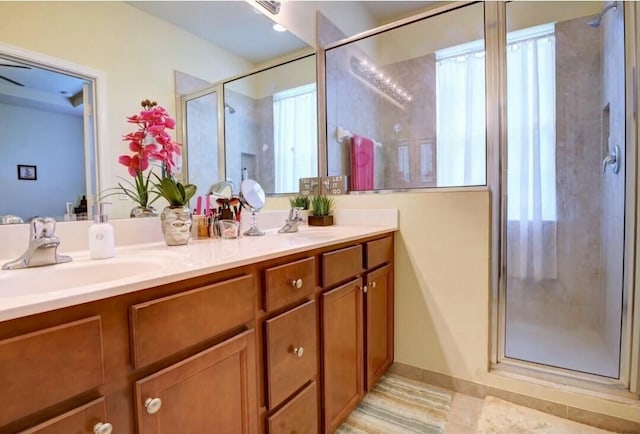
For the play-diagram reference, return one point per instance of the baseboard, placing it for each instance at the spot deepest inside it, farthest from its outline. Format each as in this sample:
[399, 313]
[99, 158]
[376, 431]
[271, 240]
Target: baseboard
[598, 420]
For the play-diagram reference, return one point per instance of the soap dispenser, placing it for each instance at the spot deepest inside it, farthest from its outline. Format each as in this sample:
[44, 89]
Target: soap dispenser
[101, 239]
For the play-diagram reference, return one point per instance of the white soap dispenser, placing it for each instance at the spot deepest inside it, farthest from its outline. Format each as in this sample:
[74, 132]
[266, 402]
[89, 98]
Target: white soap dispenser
[101, 239]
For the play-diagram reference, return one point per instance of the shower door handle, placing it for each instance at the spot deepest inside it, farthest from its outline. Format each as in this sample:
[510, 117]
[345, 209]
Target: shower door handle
[612, 159]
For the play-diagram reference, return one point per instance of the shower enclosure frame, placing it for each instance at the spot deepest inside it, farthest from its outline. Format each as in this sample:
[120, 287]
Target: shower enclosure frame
[628, 383]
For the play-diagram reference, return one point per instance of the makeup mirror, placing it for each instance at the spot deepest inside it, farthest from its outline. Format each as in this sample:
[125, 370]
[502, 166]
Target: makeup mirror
[253, 198]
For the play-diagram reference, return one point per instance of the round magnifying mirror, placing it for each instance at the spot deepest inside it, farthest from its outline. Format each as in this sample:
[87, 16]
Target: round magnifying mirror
[253, 197]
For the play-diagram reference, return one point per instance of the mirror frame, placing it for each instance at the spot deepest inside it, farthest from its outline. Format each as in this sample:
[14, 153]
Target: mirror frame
[98, 80]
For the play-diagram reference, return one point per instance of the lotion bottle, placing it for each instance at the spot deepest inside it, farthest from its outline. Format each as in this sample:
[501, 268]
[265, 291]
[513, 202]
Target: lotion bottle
[101, 238]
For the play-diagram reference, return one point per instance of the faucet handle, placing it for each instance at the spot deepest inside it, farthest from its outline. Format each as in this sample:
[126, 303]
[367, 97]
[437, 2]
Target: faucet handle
[42, 227]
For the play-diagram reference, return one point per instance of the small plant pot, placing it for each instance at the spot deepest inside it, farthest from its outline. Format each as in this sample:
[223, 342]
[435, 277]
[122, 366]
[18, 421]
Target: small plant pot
[320, 220]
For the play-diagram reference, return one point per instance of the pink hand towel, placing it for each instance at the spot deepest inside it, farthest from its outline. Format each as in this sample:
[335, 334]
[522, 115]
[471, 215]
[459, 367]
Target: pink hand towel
[361, 154]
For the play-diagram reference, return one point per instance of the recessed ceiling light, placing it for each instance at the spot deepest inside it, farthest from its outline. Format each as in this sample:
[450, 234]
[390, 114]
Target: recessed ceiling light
[279, 28]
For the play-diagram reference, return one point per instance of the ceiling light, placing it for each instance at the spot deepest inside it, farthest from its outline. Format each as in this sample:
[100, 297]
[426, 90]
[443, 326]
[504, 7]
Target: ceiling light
[272, 6]
[379, 81]
[279, 27]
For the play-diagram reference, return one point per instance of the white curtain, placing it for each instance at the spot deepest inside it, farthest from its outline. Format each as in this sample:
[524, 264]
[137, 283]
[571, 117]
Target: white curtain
[531, 180]
[295, 136]
[460, 116]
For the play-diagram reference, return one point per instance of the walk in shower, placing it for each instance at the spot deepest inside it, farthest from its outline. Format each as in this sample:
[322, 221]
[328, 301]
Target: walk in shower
[564, 213]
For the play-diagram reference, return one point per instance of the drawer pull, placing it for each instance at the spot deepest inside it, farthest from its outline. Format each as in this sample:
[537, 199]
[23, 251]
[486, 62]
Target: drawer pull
[298, 351]
[152, 405]
[372, 284]
[102, 428]
[297, 283]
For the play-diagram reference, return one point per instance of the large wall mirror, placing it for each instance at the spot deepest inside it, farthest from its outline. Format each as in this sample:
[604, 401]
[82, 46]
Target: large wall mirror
[271, 126]
[47, 141]
[135, 67]
[391, 104]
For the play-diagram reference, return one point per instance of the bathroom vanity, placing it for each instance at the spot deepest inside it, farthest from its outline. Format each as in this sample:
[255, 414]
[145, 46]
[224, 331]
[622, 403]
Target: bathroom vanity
[275, 334]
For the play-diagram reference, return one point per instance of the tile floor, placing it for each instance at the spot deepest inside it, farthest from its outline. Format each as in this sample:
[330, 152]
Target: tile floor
[466, 411]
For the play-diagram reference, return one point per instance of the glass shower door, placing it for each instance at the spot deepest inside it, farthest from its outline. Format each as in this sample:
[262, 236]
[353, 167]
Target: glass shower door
[565, 200]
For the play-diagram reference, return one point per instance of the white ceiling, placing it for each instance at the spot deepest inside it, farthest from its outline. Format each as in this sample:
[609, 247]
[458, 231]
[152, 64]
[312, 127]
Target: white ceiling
[236, 27]
[231, 25]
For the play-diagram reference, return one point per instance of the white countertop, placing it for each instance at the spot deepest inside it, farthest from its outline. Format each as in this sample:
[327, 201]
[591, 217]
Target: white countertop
[34, 290]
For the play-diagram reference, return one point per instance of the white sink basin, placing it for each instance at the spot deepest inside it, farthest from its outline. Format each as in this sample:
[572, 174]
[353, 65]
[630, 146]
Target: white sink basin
[80, 272]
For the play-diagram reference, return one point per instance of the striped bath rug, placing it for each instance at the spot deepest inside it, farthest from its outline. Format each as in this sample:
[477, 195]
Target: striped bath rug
[399, 405]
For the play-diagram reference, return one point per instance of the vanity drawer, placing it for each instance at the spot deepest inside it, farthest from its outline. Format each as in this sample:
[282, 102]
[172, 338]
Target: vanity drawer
[48, 366]
[378, 252]
[289, 283]
[291, 347]
[80, 420]
[299, 416]
[170, 324]
[341, 265]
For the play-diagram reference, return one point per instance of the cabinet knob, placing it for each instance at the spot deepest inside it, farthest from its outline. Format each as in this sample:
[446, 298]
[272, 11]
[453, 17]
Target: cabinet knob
[298, 351]
[102, 428]
[297, 283]
[372, 284]
[152, 405]
[365, 289]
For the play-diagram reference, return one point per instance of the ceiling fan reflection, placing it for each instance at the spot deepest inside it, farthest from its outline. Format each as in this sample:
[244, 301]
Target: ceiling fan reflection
[5, 78]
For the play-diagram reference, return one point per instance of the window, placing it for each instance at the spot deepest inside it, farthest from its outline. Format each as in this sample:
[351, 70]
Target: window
[295, 136]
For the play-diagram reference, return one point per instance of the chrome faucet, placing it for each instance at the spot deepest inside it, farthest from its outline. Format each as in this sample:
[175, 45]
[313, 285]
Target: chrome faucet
[294, 219]
[43, 246]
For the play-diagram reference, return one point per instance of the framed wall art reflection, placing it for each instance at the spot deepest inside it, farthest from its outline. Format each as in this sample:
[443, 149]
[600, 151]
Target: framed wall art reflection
[27, 172]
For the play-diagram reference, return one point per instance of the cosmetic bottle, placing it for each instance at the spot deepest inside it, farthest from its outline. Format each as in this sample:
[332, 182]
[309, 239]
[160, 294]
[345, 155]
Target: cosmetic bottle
[69, 215]
[101, 238]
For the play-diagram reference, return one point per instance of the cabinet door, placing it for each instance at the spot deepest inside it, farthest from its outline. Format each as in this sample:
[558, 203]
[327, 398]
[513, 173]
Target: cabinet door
[214, 391]
[342, 334]
[379, 324]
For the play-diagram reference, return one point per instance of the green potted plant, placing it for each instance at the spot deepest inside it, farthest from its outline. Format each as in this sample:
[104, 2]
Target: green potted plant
[321, 207]
[299, 201]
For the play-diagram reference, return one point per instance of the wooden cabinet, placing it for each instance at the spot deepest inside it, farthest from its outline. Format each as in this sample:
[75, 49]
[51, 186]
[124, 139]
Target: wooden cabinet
[341, 265]
[378, 324]
[164, 326]
[86, 419]
[289, 283]
[44, 367]
[357, 325]
[291, 350]
[211, 392]
[343, 340]
[298, 416]
[287, 345]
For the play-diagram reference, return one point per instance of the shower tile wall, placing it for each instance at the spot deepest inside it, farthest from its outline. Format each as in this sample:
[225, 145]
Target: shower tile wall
[241, 134]
[578, 176]
[612, 212]
[350, 105]
[413, 124]
[355, 106]
[264, 144]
